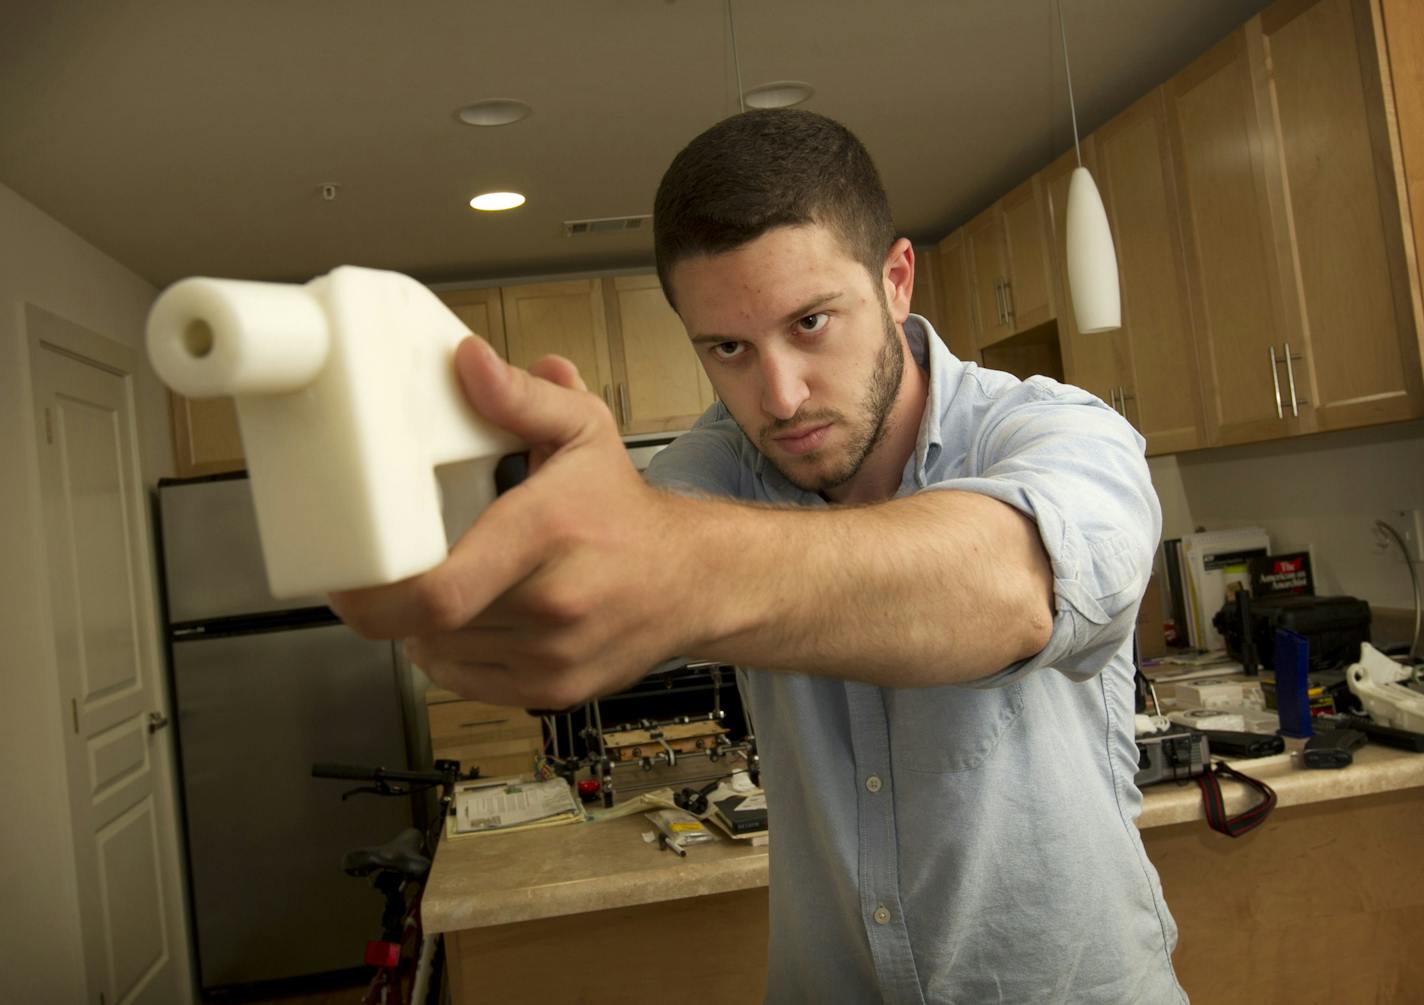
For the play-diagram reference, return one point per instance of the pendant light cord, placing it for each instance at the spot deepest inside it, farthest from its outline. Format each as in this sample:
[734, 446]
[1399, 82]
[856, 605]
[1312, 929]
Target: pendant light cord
[737, 62]
[1067, 72]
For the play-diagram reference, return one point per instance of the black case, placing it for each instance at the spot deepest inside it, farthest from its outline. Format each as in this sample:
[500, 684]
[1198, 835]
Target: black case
[1334, 627]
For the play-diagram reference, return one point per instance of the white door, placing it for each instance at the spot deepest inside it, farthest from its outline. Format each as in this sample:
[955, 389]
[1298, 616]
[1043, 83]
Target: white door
[105, 637]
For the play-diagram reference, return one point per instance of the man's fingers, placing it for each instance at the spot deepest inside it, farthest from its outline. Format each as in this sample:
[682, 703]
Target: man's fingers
[499, 551]
[558, 370]
[537, 410]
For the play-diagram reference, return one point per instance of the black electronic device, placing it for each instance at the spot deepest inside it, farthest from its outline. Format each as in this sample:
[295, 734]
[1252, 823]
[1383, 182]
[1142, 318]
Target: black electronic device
[1333, 627]
[1176, 752]
[1231, 743]
[743, 814]
[1333, 748]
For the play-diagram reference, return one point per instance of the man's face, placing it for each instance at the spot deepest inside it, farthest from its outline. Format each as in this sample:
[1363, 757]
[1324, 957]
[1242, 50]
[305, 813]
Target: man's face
[800, 345]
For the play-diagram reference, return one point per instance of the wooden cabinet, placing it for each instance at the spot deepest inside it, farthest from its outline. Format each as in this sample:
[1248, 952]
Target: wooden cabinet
[206, 440]
[497, 740]
[925, 296]
[957, 320]
[658, 382]
[1244, 321]
[1159, 391]
[560, 318]
[627, 342]
[481, 311]
[1009, 265]
[1029, 288]
[988, 267]
[1337, 211]
[1297, 238]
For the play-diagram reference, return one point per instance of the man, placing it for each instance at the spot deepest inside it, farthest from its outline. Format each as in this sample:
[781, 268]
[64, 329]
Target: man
[934, 568]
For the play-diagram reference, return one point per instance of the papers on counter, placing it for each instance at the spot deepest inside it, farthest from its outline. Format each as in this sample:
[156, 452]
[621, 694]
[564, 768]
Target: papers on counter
[507, 804]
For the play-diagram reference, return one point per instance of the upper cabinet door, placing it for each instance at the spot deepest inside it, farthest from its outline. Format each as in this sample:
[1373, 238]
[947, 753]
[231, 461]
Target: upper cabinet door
[1238, 304]
[481, 311]
[1327, 131]
[1134, 174]
[1098, 363]
[988, 273]
[565, 318]
[955, 300]
[1029, 286]
[660, 384]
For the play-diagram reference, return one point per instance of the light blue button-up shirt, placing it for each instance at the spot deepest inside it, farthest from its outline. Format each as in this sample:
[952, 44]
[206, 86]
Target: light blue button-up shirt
[969, 844]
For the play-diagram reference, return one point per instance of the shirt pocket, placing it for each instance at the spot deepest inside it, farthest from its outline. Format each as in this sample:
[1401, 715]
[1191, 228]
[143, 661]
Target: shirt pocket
[949, 729]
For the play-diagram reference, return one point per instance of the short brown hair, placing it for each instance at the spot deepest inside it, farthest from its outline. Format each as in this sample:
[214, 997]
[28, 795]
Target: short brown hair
[770, 168]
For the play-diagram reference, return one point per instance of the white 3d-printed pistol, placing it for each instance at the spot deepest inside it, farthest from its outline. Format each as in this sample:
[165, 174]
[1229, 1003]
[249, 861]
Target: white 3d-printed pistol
[347, 401]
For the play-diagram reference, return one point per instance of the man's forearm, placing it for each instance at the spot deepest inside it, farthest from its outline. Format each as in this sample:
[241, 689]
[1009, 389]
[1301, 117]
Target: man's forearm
[936, 588]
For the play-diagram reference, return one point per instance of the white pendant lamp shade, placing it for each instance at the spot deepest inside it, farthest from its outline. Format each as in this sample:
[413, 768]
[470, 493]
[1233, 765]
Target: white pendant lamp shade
[1092, 262]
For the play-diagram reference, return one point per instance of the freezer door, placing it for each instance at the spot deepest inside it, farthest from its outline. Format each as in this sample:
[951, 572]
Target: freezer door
[265, 839]
[212, 555]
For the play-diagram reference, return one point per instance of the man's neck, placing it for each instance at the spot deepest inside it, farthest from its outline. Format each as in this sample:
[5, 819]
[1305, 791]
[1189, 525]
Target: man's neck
[879, 476]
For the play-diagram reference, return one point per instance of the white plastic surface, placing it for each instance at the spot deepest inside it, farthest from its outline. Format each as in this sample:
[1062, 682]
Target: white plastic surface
[1376, 681]
[347, 401]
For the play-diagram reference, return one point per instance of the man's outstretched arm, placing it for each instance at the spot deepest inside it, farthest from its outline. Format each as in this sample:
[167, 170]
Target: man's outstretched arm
[579, 580]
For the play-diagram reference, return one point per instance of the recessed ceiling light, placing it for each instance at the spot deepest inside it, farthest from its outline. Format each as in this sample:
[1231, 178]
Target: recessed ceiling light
[494, 112]
[778, 94]
[492, 201]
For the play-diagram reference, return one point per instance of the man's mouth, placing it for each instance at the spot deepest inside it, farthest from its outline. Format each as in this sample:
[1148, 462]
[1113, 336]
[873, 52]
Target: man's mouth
[803, 441]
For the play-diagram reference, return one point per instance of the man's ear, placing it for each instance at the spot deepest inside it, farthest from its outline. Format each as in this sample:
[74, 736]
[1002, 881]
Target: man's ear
[898, 278]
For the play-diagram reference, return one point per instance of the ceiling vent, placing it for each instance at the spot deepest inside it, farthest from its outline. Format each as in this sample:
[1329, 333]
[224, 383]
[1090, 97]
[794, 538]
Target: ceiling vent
[607, 225]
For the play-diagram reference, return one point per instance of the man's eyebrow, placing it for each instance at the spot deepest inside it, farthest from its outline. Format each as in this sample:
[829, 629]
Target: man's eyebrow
[809, 307]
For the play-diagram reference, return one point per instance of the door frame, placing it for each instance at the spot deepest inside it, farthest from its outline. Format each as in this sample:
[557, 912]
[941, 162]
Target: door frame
[46, 331]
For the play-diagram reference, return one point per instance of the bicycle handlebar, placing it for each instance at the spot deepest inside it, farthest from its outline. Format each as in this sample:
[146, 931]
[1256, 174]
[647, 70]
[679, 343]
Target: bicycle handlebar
[355, 773]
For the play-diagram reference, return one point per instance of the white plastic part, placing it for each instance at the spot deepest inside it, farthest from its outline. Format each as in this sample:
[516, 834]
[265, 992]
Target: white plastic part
[1376, 681]
[347, 401]
[1092, 261]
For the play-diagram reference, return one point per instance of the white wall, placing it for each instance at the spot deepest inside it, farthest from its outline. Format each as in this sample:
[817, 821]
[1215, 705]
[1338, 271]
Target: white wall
[1321, 493]
[43, 263]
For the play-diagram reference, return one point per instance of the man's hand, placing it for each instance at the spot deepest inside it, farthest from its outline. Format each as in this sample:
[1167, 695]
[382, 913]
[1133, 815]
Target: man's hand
[565, 588]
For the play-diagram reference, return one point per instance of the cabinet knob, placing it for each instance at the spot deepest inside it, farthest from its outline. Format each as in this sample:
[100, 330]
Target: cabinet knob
[156, 721]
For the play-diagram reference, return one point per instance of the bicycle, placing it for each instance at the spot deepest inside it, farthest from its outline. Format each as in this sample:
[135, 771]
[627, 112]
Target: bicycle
[406, 960]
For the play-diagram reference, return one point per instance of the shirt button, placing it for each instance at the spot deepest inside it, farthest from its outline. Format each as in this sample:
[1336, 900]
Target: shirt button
[873, 783]
[881, 915]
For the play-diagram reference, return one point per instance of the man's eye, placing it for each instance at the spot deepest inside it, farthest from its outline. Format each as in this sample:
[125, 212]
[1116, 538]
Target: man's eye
[727, 350]
[812, 323]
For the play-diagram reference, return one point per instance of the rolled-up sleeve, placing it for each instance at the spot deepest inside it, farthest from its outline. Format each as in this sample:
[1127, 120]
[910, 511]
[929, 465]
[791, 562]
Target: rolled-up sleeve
[1077, 469]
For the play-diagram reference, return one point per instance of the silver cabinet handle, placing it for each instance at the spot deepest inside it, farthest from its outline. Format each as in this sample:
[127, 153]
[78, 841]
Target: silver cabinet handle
[999, 300]
[608, 397]
[1290, 380]
[1276, 382]
[1112, 398]
[1008, 302]
[156, 721]
[624, 412]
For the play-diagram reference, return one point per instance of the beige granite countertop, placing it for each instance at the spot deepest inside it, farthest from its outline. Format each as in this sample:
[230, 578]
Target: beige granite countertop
[503, 878]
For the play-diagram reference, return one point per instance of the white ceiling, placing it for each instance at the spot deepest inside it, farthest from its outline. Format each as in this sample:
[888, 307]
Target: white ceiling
[190, 136]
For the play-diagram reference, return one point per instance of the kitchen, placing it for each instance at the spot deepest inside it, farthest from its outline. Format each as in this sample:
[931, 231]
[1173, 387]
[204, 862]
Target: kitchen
[97, 220]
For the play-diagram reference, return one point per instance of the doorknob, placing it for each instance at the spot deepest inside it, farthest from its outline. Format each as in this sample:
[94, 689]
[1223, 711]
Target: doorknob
[156, 721]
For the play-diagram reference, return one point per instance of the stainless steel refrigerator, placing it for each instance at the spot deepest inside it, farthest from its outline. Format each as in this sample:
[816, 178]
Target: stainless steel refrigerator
[263, 688]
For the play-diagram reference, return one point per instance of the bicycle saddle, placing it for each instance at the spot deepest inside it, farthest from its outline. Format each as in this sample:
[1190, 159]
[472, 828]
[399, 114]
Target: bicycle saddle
[401, 854]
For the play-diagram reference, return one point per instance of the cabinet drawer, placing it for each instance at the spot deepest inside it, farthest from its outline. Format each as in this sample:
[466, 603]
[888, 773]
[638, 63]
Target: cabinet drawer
[464, 722]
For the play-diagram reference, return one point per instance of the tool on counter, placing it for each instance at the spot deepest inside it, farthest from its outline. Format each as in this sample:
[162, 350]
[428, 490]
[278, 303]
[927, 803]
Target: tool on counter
[1333, 748]
[1292, 683]
[695, 800]
[1385, 736]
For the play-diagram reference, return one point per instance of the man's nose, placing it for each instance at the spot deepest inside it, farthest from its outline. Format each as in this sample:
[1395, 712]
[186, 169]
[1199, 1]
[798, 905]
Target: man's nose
[784, 388]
